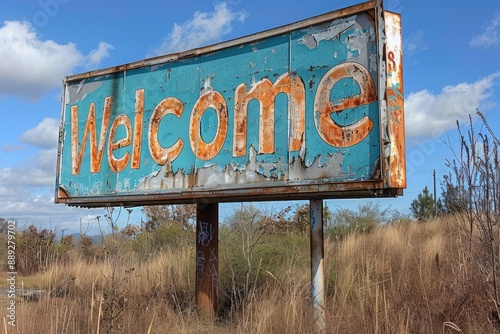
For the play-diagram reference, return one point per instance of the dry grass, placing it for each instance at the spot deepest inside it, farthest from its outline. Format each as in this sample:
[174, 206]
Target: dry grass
[406, 279]
[414, 278]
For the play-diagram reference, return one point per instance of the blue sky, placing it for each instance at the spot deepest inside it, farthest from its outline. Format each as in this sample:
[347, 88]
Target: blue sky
[451, 56]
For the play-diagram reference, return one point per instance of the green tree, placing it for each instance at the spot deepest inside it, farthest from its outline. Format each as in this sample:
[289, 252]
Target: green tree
[245, 221]
[364, 219]
[423, 207]
[185, 214]
[241, 235]
[156, 216]
[170, 215]
[454, 200]
[4, 224]
[34, 249]
[301, 215]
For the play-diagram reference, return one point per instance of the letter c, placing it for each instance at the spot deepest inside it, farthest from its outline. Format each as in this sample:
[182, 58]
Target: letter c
[160, 154]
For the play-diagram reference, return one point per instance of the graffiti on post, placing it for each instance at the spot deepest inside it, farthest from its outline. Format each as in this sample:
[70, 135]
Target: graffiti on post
[200, 265]
[205, 237]
[206, 234]
[214, 272]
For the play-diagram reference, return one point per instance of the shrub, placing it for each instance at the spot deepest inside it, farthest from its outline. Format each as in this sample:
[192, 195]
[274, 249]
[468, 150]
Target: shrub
[35, 250]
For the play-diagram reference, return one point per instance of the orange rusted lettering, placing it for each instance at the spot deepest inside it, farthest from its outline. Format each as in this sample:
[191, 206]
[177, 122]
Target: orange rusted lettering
[160, 154]
[118, 164]
[332, 133]
[202, 150]
[90, 127]
[139, 112]
[265, 92]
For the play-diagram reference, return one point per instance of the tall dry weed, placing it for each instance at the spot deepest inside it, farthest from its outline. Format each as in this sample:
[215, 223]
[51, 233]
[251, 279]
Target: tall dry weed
[409, 278]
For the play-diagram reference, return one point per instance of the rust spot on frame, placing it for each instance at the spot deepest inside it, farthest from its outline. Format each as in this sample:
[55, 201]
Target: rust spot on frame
[395, 103]
[62, 193]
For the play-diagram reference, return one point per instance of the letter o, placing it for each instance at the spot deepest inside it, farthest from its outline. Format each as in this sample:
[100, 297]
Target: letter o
[202, 150]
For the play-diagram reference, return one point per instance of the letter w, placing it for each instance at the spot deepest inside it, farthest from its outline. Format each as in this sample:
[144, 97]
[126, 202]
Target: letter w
[90, 128]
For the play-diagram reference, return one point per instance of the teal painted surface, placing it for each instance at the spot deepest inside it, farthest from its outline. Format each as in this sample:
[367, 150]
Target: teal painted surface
[309, 53]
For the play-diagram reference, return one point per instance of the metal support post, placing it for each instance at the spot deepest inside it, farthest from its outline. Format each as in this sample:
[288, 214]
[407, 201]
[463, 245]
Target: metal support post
[207, 259]
[317, 264]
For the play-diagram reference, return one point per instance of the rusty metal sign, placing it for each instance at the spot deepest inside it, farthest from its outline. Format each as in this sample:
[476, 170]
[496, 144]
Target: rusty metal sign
[309, 110]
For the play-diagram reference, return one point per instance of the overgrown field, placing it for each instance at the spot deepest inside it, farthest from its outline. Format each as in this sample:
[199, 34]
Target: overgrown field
[395, 278]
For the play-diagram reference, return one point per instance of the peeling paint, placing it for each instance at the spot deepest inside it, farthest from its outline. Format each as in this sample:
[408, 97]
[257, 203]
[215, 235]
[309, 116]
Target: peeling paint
[333, 31]
[323, 168]
[79, 92]
[213, 175]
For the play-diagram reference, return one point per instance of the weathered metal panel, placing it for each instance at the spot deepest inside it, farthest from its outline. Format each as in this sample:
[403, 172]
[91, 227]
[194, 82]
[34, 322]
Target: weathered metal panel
[393, 104]
[294, 112]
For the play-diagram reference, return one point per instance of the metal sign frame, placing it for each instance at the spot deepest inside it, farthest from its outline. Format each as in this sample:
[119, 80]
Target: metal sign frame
[110, 129]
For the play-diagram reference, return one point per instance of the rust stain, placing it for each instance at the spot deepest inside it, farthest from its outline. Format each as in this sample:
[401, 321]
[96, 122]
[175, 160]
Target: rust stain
[62, 193]
[395, 103]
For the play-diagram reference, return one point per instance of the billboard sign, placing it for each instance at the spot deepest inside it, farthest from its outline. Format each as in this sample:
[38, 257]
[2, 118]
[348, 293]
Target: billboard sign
[313, 109]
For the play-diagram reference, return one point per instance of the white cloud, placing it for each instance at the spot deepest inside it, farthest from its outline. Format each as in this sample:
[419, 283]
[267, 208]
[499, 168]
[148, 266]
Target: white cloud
[430, 115]
[204, 28]
[490, 37]
[40, 210]
[43, 135]
[46, 160]
[414, 43]
[97, 55]
[30, 66]
[27, 194]
[21, 185]
[37, 172]
[6, 148]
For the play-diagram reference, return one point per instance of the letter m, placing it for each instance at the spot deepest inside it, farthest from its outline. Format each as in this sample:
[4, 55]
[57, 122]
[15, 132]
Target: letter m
[90, 130]
[265, 92]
